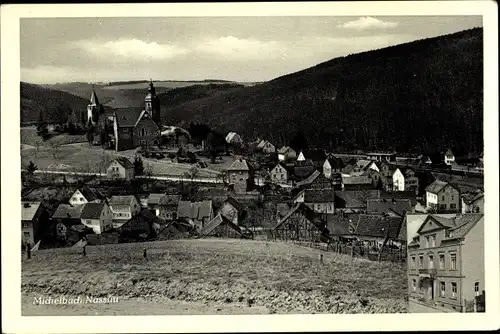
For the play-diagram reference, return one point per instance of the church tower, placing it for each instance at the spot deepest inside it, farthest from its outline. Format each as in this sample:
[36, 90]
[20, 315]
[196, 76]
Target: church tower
[153, 104]
[93, 109]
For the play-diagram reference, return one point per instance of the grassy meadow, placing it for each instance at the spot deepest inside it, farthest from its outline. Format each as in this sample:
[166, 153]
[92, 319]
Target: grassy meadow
[267, 277]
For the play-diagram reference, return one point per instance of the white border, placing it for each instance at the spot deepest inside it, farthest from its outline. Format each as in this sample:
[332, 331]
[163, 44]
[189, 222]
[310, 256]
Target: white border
[10, 76]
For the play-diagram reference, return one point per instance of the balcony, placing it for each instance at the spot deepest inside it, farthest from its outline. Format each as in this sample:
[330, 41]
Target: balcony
[428, 272]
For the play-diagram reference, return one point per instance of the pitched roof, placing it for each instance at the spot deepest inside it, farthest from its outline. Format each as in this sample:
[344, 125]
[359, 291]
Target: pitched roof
[233, 202]
[285, 149]
[125, 162]
[319, 196]
[464, 223]
[217, 221]
[314, 154]
[309, 213]
[195, 210]
[282, 209]
[64, 211]
[436, 186]
[449, 154]
[309, 179]
[400, 195]
[378, 226]
[232, 136]
[184, 209]
[361, 179]
[89, 194]
[263, 143]
[121, 200]
[381, 205]
[470, 198]
[29, 209]
[127, 117]
[355, 198]
[338, 224]
[93, 98]
[335, 163]
[348, 169]
[205, 209]
[239, 164]
[92, 210]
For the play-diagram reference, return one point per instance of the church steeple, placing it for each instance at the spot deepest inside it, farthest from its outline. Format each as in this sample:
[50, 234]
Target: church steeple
[93, 98]
[152, 103]
[93, 109]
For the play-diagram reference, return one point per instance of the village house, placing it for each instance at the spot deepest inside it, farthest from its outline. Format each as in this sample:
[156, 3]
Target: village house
[164, 205]
[139, 227]
[443, 197]
[85, 195]
[361, 182]
[303, 169]
[375, 229]
[198, 214]
[266, 147]
[233, 210]
[332, 165]
[123, 208]
[341, 226]
[358, 168]
[239, 174]
[301, 223]
[319, 200]
[317, 156]
[286, 153]
[234, 139]
[449, 158]
[390, 206]
[322, 182]
[121, 168]
[473, 202]
[444, 262]
[97, 216]
[68, 223]
[33, 216]
[281, 174]
[354, 201]
[404, 179]
[221, 227]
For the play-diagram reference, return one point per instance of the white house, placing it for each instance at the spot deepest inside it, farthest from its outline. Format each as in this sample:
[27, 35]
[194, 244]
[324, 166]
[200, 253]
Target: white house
[449, 158]
[84, 195]
[97, 216]
[404, 179]
[279, 174]
[123, 208]
[233, 138]
[120, 168]
[442, 196]
[286, 153]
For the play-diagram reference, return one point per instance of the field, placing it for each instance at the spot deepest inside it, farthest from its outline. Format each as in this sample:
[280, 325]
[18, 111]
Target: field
[30, 137]
[213, 276]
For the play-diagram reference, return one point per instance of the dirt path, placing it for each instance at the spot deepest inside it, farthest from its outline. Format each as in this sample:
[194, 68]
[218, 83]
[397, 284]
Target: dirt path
[136, 306]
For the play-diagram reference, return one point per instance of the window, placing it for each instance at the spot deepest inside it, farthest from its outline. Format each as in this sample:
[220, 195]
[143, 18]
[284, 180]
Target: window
[433, 240]
[453, 289]
[476, 289]
[431, 261]
[453, 262]
[414, 284]
[442, 206]
[26, 234]
[25, 225]
[427, 242]
[421, 262]
[441, 261]
[81, 199]
[452, 197]
[442, 290]
[453, 205]
[442, 198]
[413, 262]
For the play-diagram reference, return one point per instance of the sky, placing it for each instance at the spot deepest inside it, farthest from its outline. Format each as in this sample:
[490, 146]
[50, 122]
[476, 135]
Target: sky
[245, 49]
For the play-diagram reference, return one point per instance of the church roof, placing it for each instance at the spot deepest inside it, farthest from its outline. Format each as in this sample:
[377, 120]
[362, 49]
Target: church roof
[93, 98]
[127, 117]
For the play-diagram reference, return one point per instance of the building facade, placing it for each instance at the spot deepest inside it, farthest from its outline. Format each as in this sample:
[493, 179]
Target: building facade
[446, 262]
[442, 197]
[238, 175]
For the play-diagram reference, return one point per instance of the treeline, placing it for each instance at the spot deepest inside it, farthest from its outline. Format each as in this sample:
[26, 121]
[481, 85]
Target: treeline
[420, 96]
[52, 106]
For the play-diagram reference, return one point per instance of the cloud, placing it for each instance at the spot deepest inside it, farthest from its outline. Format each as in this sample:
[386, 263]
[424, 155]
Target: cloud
[131, 49]
[231, 47]
[368, 22]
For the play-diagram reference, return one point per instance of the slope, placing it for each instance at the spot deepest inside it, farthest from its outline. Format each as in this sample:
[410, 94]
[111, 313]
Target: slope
[421, 95]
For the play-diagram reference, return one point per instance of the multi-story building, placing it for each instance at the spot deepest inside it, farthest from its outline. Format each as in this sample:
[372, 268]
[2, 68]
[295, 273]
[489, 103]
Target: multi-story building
[443, 197]
[446, 262]
[238, 175]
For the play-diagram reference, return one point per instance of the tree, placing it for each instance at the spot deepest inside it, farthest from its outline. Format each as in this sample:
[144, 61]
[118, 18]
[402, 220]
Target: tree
[299, 141]
[41, 128]
[215, 145]
[55, 149]
[138, 166]
[31, 168]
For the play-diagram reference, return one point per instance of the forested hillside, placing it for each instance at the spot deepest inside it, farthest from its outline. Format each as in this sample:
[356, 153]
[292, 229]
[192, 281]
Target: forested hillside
[423, 95]
[52, 105]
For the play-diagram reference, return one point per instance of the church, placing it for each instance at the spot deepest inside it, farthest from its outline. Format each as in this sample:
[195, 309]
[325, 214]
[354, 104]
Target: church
[131, 127]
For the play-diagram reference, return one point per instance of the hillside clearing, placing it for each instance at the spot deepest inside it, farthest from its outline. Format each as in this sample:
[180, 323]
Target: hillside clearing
[275, 277]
